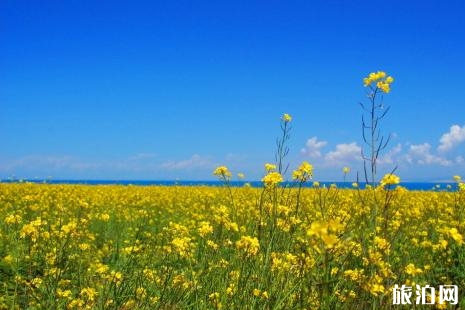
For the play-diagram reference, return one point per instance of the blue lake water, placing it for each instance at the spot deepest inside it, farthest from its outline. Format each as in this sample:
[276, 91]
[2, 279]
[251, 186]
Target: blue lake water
[424, 186]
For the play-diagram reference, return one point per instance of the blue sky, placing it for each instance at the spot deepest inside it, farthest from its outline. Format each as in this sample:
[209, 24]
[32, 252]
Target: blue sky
[171, 89]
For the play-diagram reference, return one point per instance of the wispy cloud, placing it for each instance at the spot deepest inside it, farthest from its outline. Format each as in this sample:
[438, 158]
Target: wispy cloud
[141, 164]
[196, 161]
[235, 157]
[143, 156]
[459, 160]
[313, 147]
[71, 165]
[53, 163]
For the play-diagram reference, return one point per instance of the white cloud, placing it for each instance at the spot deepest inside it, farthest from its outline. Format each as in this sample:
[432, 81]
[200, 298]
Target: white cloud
[421, 154]
[139, 165]
[391, 156]
[344, 153]
[455, 136]
[312, 147]
[196, 161]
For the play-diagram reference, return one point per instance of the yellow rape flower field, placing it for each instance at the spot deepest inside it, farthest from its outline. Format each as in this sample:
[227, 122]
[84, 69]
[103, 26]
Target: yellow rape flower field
[278, 246]
[173, 247]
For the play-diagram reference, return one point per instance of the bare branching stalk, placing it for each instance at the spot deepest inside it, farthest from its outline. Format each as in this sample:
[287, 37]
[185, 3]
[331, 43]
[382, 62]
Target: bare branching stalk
[282, 150]
[373, 113]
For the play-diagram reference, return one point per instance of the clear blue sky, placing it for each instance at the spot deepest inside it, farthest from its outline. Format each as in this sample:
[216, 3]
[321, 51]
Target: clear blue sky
[170, 89]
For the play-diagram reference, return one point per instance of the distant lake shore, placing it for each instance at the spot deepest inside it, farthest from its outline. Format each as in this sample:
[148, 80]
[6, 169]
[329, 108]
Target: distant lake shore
[423, 186]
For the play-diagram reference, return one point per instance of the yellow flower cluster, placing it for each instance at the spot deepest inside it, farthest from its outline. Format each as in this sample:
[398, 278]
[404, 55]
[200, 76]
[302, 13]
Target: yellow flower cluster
[303, 173]
[222, 172]
[270, 167]
[13, 219]
[286, 118]
[182, 246]
[326, 232]
[460, 184]
[272, 179]
[355, 275]
[89, 293]
[284, 262]
[258, 293]
[31, 229]
[205, 228]
[248, 245]
[410, 269]
[389, 179]
[215, 299]
[455, 234]
[383, 81]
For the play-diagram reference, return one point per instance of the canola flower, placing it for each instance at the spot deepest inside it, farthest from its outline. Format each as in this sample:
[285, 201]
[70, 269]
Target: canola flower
[383, 82]
[249, 245]
[270, 167]
[272, 179]
[389, 179]
[303, 173]
[222, 172]
[286, 118]
[410, 269]
[326, 232]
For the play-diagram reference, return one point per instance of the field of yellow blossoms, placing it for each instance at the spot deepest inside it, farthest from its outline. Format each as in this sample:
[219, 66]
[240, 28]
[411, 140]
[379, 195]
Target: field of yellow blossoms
[273, 247]
[173, 247]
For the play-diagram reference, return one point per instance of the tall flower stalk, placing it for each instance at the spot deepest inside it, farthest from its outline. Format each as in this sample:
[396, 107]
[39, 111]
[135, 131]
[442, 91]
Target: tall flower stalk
[378, 83]
[281, 143]
[223, 173]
